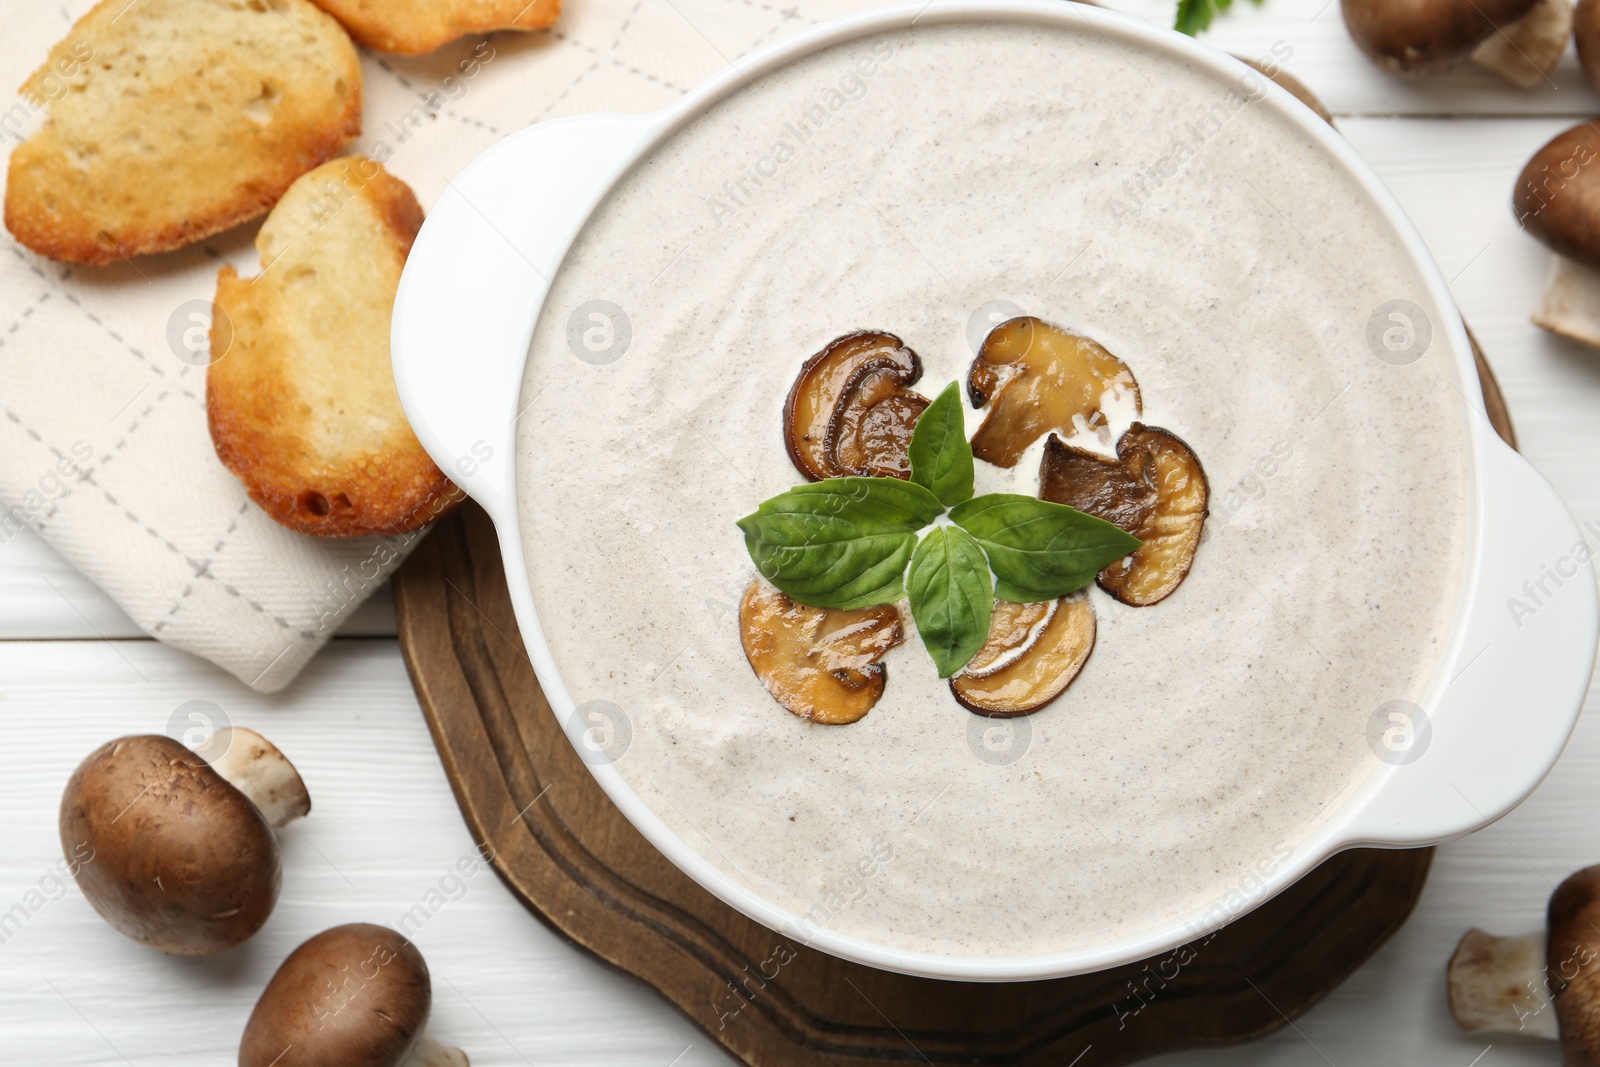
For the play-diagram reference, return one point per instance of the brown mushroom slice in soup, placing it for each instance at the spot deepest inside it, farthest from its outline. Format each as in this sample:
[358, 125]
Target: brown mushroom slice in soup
[1156, 490]
[821, 664]
[1034, 652]
[1035, 377]
[872, 436]
[1171, 531]
[851, 409]
[1096, 484]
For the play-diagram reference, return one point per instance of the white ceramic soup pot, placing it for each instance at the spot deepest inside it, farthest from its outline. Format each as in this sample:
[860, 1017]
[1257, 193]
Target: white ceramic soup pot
[1502, 703]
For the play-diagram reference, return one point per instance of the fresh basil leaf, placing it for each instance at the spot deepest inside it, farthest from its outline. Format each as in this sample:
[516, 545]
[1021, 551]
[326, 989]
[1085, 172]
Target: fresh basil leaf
[845, 574]
[869, 505]
[952, 596]
[1040, 550]
[941, 457]
[841, 542]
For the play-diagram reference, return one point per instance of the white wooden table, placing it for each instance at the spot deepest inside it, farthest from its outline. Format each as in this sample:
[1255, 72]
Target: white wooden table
[75, 672]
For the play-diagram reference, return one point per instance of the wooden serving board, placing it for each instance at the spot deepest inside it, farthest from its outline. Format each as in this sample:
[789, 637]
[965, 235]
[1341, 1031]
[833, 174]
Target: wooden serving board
[570, 856]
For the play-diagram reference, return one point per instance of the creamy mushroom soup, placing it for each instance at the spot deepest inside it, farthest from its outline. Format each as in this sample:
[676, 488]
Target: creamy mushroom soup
[931, 183]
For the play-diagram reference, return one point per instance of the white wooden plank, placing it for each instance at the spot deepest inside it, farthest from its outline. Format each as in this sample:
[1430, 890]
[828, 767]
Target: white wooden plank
[44, 597]
[1325, 58]
[383, 831]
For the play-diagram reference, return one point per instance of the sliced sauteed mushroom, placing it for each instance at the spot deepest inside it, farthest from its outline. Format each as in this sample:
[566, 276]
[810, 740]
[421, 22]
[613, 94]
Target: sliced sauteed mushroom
[851, 410]
[1111, 489]
[1033, 653]
[1557, 200]
[1171, 531]
[1521, 40]
[1036, 377]
[1156, 490]
[819, 663]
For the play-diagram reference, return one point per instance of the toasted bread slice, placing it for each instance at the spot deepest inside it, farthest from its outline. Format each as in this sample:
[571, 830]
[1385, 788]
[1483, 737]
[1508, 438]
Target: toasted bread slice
[412, 27]
[302, 401]
[178, 118]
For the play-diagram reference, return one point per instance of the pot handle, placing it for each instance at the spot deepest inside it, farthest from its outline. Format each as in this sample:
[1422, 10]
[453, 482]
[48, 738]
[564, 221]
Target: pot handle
[475, 282]
[1517, 679]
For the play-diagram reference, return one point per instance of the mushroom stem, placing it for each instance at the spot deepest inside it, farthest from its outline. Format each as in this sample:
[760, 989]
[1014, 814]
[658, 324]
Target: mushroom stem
[1498, 984]
[254, 766]
[1571, 302]
[1524, 52]
[430, 1053]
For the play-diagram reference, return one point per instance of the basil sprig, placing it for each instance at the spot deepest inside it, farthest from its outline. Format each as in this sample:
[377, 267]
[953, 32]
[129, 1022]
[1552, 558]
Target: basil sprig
[848, 542]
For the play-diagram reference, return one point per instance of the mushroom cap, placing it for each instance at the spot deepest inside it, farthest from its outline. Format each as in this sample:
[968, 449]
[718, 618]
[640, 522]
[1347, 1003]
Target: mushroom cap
[1586, 32]
[180, 860]
[1416, 38]
[1557, 198]
[1572, 964]
[355, 995]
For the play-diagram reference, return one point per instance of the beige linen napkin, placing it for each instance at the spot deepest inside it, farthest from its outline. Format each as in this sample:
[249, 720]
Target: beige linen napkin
[103, 441]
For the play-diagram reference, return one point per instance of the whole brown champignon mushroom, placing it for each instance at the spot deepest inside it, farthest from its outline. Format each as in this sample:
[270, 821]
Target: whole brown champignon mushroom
[1521, 40]
[179, 858]
[1557, 200]
[356, 996]
[1509, 984]
[1586, 35]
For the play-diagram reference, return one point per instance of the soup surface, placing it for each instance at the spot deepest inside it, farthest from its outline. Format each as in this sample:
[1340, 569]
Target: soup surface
[931, 183]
